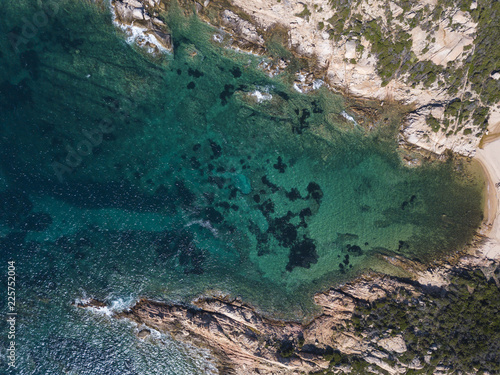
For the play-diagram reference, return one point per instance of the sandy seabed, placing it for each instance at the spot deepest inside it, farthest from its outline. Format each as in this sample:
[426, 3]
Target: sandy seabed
[489, 157]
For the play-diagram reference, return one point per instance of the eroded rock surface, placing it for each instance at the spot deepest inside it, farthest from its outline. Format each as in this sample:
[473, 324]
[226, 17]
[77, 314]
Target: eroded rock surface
[244, 341]
[139, 20]
[411, 52]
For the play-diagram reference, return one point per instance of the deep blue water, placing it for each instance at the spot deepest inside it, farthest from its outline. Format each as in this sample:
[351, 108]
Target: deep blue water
[124, 175]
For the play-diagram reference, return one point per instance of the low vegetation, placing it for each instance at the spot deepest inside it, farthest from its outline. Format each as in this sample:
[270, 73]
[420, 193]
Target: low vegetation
[391, 43]
[456, 329]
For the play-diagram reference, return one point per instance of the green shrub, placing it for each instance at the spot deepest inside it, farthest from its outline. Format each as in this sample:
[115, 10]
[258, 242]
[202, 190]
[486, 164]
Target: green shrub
[465, 327]
[433, 123]
[305, 13]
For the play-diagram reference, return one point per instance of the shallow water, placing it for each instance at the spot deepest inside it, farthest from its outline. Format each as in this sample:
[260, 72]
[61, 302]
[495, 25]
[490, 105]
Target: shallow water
[194, 186]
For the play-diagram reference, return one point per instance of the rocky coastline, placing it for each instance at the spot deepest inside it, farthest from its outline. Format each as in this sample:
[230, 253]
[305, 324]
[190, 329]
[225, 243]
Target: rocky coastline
[445, 110]
[244, 341]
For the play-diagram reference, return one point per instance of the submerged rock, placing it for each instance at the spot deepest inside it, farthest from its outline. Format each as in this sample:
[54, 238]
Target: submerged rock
[242, 183]
[143, 333]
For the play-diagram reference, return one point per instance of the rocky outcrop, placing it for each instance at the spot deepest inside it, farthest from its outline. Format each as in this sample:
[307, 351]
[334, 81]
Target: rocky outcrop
[418, 132]
[351, 61]
[244, 29]
[244, 341]
[400, 52]
[139, 20]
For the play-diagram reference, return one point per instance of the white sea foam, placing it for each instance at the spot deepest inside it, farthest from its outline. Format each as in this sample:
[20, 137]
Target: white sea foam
[218, 38]
[317, 84]
[205, 224]
[348, 117]
[140, 36]
[262, 95]
[296, 87]
[114, 306]
[122, 304]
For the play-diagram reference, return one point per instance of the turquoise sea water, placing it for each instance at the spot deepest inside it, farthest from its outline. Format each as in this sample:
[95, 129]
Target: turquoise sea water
[194, 186]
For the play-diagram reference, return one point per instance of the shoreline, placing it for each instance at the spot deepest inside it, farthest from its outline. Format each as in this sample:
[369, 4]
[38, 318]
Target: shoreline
[243, 341]
[489, 159]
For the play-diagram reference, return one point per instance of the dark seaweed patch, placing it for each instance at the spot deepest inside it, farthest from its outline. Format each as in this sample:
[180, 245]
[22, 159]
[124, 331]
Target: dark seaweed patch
[164, 245]
[185, 196]
[315, 191]
[69, 43]
[224, 205]
[191, 85]
[265, 181]
[305, 212]
[212, 215]
[346, 259]
[267, 207]
[217, 181]
[354, 250]
[12, 95]
[283, 231]
[196, 147]
[305, 115]
[83, 242]
[302, 254]
[316, 107]
[303, 125]
[410, 203]
[190, 256]
[209, 197]
[280, 166]
[14, 206]
[195, 73]
[227, 93]
[283, 95]
[293, 194]
[194, 163]
[233, 193]
[262, 239]
[216, 149]
[403, 246]
[236, 72]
